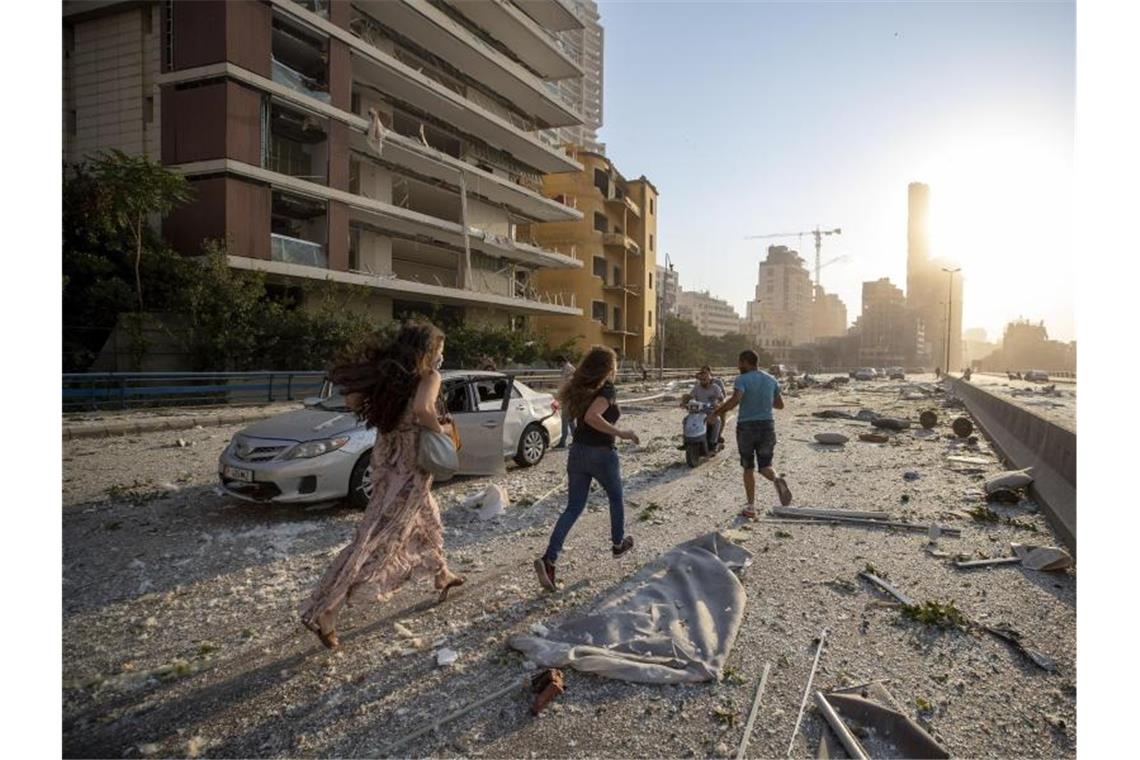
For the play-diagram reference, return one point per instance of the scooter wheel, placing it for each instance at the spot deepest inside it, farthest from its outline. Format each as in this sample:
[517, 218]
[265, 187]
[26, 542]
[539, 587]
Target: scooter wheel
[692, 454]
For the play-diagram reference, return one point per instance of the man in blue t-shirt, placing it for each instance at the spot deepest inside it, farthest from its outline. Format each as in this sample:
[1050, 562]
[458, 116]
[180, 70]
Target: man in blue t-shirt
[758, 394]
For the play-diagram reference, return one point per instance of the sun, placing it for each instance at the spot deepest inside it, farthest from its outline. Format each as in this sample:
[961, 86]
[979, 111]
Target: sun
[998, 199]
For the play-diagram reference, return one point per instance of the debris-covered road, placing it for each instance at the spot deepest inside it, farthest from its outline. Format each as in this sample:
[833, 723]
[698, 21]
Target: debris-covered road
[181, 637]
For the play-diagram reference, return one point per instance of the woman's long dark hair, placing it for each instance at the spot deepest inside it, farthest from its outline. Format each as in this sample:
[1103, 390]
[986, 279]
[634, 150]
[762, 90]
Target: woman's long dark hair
[381, 378]
[589, 377]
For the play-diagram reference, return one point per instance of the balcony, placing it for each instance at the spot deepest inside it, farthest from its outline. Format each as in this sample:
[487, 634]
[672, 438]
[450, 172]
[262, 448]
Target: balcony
[619, 330]
[399, 150]
[290, 250]
[554, 15]
[621, 240]
[525, 37]
[399, 81]
[623, 201]
[632, 290]
[432, 29]
[393, 286]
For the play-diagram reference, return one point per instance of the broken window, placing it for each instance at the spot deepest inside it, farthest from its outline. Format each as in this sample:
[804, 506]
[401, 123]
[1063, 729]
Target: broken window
[617, 276]
[298, 230]
[600, 267]
[617, 318]
[601, 224]
[300, 58]
[297, 143]
[602, 182]
[599, 311]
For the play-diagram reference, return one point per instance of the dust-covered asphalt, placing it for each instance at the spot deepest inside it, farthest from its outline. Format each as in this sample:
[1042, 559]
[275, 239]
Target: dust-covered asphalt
[181, 637]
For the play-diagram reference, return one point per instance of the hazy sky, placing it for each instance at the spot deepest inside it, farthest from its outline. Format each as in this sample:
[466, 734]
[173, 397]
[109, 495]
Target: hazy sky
[756, 118]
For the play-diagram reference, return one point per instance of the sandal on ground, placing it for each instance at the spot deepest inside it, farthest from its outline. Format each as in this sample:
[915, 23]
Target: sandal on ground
[455, 582]
[748, 513]
[625, 545]
[329, 639]
[545, 572]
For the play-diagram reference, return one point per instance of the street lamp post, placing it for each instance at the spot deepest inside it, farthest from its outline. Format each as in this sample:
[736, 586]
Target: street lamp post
[949, 310]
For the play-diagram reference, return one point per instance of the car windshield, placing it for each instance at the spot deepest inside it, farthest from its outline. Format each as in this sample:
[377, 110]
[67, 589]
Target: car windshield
[332, 399]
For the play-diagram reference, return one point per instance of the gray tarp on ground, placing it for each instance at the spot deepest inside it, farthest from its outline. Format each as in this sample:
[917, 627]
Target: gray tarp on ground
[674, 620]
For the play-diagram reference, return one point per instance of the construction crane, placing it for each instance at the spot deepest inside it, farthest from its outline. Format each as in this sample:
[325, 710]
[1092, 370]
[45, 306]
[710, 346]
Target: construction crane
[817, 233]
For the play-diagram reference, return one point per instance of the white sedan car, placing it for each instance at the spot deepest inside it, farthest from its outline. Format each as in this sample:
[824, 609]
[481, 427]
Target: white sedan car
[322, 453]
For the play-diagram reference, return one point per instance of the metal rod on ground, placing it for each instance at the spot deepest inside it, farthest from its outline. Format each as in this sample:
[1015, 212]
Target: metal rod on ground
[850, 743]
[391, 748]
[882, 584]
[752, 715]
[881, 523]
[807, 691]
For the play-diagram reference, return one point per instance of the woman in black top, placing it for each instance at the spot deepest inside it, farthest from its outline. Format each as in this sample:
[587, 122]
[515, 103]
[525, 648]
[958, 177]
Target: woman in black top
[590, 398]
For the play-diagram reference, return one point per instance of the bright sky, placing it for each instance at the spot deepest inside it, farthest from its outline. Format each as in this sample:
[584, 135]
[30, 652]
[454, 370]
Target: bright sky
[756, 118]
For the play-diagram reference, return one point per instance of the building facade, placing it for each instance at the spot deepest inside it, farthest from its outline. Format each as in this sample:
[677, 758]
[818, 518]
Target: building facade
[829, 315]
[780, 316]
[615, 242]
[932, 292]
[584, 45]
[890, 334]
[713, 317]
[1026, 345]
[393, 145]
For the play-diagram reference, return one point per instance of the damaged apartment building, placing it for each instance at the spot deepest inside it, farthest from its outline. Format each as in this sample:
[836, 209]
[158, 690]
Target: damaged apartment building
[392, 144]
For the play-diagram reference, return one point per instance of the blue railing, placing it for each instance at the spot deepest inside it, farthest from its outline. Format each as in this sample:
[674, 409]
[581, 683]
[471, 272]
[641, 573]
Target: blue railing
[132, 390]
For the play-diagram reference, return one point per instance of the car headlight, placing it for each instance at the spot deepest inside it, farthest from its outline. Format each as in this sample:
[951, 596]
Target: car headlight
[311, 449]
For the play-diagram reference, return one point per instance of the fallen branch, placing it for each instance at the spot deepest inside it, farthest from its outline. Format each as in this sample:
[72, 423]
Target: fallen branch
[752, 714]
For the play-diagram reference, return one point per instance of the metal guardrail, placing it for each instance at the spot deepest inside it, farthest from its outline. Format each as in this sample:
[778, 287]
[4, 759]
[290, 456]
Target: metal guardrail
[132, 390]
[94, 391]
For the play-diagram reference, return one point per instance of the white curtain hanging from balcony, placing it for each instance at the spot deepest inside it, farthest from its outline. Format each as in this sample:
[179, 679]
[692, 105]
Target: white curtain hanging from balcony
[376, 132]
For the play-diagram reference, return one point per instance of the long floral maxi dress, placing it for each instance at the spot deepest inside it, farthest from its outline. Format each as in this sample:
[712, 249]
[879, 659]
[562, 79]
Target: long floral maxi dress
[399, 538]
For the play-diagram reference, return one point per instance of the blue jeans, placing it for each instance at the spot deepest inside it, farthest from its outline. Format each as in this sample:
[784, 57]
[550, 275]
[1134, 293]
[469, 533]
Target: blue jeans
[567, 429]
[584, 465]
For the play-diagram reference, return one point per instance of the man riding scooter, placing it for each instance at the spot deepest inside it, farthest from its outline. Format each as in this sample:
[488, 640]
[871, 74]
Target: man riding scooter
[707, 391]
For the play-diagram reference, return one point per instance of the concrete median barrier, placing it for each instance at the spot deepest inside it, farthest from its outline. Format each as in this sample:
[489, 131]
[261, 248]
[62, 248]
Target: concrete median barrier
[1025, 439]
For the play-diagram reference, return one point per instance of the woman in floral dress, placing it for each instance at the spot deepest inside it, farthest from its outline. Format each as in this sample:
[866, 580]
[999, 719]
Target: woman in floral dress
[394, 387]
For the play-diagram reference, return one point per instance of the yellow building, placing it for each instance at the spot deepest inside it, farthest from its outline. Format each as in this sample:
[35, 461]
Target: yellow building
[616, 241]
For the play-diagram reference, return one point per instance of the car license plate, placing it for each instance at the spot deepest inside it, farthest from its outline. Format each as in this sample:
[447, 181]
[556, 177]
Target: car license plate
[236, 473]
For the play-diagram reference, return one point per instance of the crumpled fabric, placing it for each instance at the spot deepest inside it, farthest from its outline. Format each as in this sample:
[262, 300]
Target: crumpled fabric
[673, 621]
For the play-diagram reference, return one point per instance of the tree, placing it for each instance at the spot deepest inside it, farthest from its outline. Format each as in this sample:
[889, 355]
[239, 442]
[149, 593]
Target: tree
[128, 190]
[100, 256]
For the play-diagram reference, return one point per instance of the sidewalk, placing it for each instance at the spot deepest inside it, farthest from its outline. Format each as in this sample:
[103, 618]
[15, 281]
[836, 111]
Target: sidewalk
[103, 425]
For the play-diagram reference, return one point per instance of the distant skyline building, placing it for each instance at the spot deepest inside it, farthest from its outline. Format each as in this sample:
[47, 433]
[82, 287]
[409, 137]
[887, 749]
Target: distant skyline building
[890, 334]
[585, 46]
[829, 315]
[928, 285]
[712, 316]
[780, 315]
[1026, 345]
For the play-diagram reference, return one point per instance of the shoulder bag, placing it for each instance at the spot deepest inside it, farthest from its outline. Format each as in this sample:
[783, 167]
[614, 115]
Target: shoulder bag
[437, 454]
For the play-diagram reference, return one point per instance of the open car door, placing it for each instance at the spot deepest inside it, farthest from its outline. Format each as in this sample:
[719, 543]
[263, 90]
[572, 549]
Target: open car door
[480, 428]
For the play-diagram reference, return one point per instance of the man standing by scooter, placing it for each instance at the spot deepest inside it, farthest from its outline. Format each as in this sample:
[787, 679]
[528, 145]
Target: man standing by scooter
[757, 393]
[706, 391]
